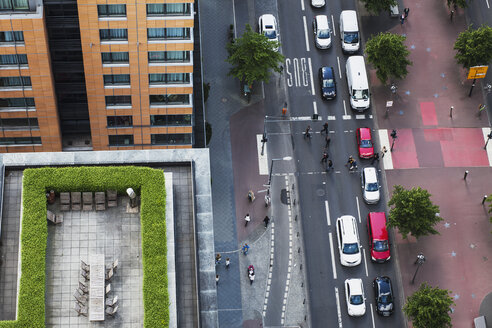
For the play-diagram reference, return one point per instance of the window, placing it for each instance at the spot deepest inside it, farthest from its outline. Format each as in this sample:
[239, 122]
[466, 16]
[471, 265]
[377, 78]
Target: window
[169, 100]
[117, 79]
[111, 10]
[20, 141]
[168, 9]
[171, 33]
[19, 123]
[170, 139]
[16, 102]
[115, 57]
[169, 78]
[169, 56]
[170, 120]
[11, 37]
[119, 121]
[118, 100]
[113, 34]
[15, 81]
[121, 140]
[14, 5]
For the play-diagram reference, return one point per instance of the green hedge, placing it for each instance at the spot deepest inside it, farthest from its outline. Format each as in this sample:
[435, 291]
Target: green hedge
[148, 182]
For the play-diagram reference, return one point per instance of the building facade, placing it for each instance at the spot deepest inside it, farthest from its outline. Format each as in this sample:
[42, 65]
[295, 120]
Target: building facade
[99, 75]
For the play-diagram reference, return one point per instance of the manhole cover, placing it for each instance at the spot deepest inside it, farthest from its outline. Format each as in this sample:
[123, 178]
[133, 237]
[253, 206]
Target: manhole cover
[320, 192]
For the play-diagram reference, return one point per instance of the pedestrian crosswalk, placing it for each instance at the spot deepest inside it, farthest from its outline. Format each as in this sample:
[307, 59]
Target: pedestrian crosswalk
[333, 117]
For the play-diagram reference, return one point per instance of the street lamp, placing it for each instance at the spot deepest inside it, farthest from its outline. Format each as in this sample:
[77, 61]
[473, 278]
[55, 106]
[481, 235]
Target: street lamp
[394, 136]
[286, 158]
[419, 261]
[489, 136]
[264, 139]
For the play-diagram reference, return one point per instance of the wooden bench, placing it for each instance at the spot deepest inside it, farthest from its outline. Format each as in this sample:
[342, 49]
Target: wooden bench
[100, 198]
[76, 200]
[112, 198]
[65, 201]
[87, 201]
[56, 219]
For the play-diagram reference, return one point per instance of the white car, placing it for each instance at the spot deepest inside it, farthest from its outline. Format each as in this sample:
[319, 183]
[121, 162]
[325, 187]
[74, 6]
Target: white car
[354, 295]
[268, 27]
[317, 3]
[348, 241]
[322, 33]
[370, 185]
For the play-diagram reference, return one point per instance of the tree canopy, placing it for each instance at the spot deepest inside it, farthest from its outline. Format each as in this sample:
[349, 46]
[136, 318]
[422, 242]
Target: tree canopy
[389, 55]
[474, 47]
[252, 56]
[457, 3]
[376, 6]
[413, 212]
[429, 307]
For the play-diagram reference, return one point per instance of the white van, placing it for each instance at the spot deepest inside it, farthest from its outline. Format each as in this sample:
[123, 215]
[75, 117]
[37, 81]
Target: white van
[349, 31]
[358, 84]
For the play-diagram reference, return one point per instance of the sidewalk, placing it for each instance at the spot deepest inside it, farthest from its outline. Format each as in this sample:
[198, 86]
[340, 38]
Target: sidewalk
[433, 150]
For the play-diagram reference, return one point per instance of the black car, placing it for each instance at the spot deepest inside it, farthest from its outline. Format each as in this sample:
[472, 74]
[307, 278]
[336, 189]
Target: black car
[327, 82]
[384, 295]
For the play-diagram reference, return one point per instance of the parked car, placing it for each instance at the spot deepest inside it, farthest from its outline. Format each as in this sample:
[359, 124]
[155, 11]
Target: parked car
[370, 185]
[384, 295]
[348, 241]
[327, 82]
[364, 143]
[268, 26]
[318, 3]
[322, 32]
[354, 295]
[378, 237]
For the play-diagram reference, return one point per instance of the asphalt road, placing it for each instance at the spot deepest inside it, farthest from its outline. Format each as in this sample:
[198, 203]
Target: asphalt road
[326, 196]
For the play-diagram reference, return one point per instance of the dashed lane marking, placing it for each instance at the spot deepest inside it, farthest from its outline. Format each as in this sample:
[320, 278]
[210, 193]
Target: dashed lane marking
[339, 311]
[330, 238]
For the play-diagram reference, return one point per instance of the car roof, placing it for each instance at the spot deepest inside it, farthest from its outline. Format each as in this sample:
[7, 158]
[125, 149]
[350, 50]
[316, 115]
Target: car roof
[355, 285]
[268, 19]
[327, 72]
[384, 284]
[378, 225]
[365, 133]
[322, 21]
[370, 174]
[348, 227]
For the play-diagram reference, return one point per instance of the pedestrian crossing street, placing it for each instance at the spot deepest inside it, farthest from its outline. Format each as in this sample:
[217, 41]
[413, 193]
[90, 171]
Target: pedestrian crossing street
[333, 117]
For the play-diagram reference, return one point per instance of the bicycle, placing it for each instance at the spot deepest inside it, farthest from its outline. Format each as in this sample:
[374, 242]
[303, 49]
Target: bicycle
[481, 108]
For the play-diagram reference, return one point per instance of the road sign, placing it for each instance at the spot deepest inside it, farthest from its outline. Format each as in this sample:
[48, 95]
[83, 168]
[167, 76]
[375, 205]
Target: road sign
[389, 103]
[477, 72]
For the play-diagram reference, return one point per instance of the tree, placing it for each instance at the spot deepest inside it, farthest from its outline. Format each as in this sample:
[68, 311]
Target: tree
[457, 3]
[429, 307]
[389, 55]
[413, 212]
[252, 55]
[474, 47]
[376, 6]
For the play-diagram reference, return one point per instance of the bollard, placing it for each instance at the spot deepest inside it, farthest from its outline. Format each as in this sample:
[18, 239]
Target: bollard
[302, 284]
[294, 202]
[451, 111]
[305, 317]
[299, 250]
[484, 199]
[298, 234]
[293, 186]
[300, 267]
[295, 218]
[466, 173]
[304, 302]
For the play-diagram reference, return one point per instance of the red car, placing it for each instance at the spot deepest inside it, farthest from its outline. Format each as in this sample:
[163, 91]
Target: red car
[378, 237]
[364, 142]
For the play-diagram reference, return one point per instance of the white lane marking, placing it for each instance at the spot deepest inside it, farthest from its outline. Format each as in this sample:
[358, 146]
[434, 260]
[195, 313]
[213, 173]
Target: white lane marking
[333, 23]
[372, 316]
[365, 262]
[301, 118]
[339, 311]
[330, 237]
[315, 107]
[262, 160]
[346, 117]
[358, 207]
[487, 1]
[339, 68]
[302, 5]
[360, 117]
[344, 108]
[485, 132]
[234, 18]
[384, 142]
[331, 118]
[305, 32]
[311, 75]
[327, 210]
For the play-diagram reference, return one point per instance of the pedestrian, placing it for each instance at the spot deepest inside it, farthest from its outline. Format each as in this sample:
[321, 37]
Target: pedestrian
[228, 262]
[402, 19]
[325, 157]
[247, 218]
[325, 128]
[245, 249]
[266, 220]
[218, 258]
[308, 132]
[375, 158]
[406, 11]
[327, 139]
[383, 151]
[330, 164]
[216, 279]
[451, 15]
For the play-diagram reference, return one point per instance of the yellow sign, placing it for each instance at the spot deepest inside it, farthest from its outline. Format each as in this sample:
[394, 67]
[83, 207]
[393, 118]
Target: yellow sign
[477, 72]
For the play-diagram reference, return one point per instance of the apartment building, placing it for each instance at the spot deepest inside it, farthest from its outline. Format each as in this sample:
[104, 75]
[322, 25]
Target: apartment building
[96, 75]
